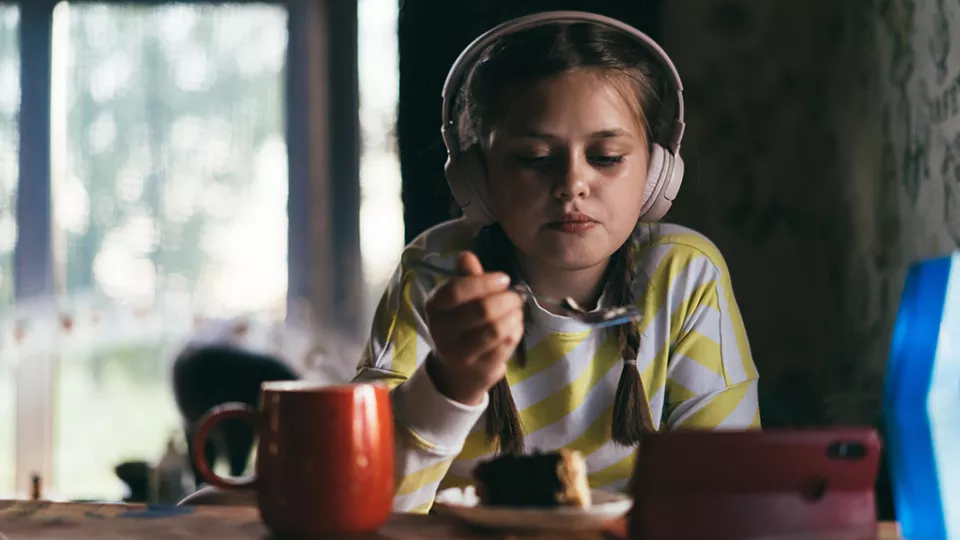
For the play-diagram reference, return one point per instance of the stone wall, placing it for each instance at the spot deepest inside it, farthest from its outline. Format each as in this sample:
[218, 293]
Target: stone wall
[823, 156]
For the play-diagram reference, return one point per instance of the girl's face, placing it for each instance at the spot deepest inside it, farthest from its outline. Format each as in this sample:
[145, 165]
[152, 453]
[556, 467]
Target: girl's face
[567, 164]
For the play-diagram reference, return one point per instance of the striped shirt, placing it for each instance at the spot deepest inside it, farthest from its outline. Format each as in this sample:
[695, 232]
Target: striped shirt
[694, 361]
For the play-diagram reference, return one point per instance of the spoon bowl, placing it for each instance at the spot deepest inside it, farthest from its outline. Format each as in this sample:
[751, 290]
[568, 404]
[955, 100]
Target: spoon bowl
[603, 317]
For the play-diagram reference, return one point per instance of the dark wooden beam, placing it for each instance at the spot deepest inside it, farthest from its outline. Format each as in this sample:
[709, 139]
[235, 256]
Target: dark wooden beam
[344, 139]
[324, 163]
[426, 50]
[33, 252]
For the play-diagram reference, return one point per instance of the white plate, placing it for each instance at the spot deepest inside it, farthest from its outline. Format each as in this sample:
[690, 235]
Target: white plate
[464, 504]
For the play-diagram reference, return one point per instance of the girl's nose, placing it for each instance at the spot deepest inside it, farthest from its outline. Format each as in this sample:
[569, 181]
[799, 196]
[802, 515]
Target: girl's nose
[572, 180]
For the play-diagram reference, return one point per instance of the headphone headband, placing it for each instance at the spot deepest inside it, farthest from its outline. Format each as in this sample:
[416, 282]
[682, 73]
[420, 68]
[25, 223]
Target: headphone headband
[471, 55]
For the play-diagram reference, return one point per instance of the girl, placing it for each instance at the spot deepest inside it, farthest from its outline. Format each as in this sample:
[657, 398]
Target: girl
[556, 158]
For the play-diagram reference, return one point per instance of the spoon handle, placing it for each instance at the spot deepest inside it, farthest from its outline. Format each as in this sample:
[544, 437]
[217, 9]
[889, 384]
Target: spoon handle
[434, 269]
[519, 288]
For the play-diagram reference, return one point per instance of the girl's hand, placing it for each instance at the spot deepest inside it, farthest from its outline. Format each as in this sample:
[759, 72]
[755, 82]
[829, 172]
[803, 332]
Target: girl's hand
[476, 323]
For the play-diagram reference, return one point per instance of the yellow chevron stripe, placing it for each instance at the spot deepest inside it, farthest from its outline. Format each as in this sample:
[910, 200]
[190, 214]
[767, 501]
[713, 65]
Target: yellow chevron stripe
[697, 242]
[404, 342]
[384, 323]
[608, 475]
[672, 264]
[558, 405]
[600, 430]
[454, 481]
[391, 382]
[700, 294]
[552, 349]
[677, 393]
[654, 377]
[718, 409]
[476, 446]
[658, 289]
[736, 321]
[678, 259]
[424, 477]
[710, 250]
[702, 350]
[410, 438]
[423, 508]
[756, 423]
[596, 435]
[569, 398]
[561, 403]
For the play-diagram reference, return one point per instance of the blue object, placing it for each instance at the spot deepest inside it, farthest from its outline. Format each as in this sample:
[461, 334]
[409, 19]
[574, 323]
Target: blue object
[922, 402]
[153, 511]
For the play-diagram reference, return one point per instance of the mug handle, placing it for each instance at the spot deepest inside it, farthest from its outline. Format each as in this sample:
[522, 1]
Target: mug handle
[216, 415]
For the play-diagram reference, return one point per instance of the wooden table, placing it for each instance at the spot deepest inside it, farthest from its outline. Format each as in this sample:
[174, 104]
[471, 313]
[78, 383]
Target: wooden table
[29, 520]
[38, 520]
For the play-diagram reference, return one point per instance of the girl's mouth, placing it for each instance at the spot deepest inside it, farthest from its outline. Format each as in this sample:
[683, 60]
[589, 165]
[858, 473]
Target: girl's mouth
[574, 223]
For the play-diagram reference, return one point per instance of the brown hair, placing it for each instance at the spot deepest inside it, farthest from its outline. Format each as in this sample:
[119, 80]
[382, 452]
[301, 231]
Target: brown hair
[522, 58]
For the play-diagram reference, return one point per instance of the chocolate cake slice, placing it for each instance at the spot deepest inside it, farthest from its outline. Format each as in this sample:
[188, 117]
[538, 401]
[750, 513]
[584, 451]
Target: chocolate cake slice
[536, 480]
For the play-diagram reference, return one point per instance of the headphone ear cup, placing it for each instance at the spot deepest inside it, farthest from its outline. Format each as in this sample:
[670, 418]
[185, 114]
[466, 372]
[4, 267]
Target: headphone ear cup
[654, 176]
[467, 178]
[664, 177]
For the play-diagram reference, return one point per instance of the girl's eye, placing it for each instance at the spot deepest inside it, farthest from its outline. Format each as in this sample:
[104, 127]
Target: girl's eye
[542, 161]
[533, 161]
[606, 161]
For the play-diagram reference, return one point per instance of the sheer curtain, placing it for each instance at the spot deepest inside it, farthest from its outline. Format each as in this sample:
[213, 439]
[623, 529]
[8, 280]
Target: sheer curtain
[9, 136]
[170, 190]
[169, 176]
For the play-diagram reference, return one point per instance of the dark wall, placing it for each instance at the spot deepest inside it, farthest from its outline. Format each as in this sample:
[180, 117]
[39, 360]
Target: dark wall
[432, 35]
[822, 153]
[765, 181]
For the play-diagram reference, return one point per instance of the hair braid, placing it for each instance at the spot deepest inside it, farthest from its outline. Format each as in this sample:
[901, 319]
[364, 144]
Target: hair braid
[631, 410]
[492, 247]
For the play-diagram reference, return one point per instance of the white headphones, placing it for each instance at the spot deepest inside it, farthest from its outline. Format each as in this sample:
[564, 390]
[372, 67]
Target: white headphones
[465, 170]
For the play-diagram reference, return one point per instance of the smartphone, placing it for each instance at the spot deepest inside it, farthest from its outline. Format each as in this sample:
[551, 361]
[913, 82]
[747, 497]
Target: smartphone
[755, 484]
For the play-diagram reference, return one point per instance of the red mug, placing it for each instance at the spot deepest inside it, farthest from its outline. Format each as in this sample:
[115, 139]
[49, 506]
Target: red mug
[325, 458]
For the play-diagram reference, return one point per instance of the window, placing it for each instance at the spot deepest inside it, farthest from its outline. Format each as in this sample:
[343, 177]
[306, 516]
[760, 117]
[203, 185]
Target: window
[9, 135]
[169, 197]
[168, 203]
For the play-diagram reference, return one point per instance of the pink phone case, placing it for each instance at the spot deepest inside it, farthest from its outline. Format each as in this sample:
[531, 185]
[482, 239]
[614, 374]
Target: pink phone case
[745, 484]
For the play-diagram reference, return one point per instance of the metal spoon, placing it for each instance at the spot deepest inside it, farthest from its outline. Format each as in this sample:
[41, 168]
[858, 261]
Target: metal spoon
[600, 318]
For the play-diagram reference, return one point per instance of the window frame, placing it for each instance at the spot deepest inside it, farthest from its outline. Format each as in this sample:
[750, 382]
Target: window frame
[323, 268]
